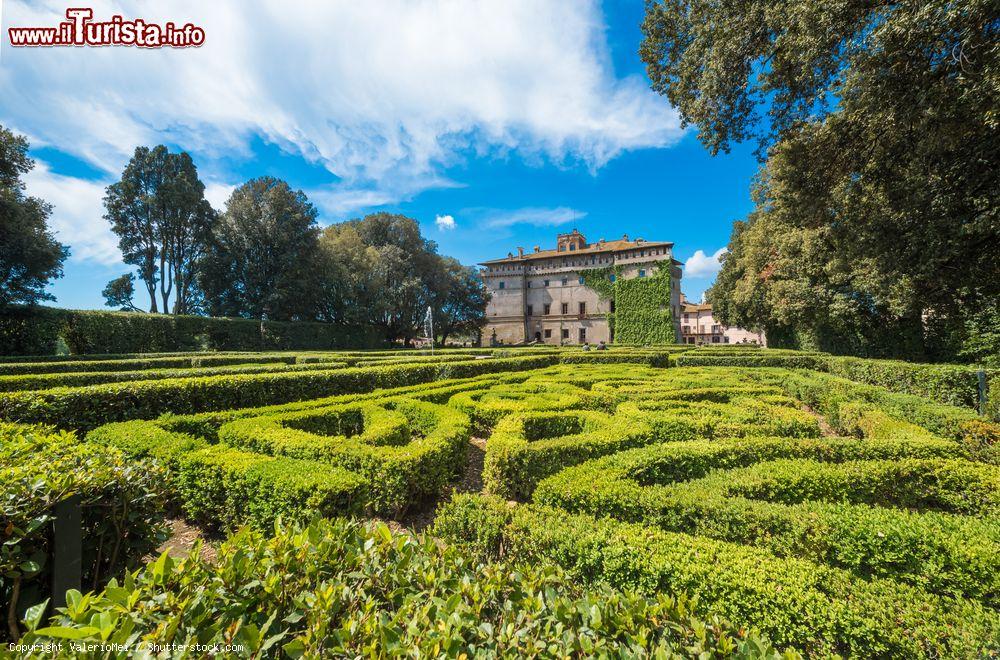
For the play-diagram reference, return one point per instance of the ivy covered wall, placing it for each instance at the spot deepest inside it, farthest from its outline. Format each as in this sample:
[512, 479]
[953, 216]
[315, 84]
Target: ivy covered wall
[642, 304]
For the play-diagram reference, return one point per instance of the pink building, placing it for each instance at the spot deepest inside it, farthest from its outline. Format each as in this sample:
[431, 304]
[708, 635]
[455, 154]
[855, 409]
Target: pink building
[698, 327]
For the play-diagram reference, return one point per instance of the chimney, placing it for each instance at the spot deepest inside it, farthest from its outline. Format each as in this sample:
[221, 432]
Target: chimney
[624, 237]
[510, 255]
[538, 249]
[520, 251]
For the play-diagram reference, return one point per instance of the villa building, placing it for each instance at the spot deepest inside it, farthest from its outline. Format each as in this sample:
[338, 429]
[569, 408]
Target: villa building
[699, 327]
[540, 296]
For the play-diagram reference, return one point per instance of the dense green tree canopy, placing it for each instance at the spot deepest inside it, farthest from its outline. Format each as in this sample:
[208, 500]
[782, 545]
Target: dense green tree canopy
[159, 212]
[30, 255]
[263, 258]
[879, 202]
[381, 270]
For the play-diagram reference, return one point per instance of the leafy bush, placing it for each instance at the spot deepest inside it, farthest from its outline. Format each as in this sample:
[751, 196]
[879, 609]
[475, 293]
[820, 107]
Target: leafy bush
[121, 507]
[742, 491]
[820, 610]
[405, 451]
[223, 487]
[339, 589]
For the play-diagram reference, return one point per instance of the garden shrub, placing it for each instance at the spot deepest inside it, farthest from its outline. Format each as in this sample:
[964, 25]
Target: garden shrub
[121, 508]
[348, 590]
[794, 602]
[874, 507]
[404, 451]
[224, 487]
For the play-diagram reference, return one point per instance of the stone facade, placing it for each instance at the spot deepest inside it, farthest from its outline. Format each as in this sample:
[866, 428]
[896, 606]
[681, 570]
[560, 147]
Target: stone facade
[698, 327]
[540, 296]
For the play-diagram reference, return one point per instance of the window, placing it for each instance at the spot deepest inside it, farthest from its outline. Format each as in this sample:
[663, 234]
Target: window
[686, 329]
[572, 248]
[583, 334]
[583, 308]
[548, 334]
[687, 317]
[716, 329]
[565, 281]
[546, 282]
[725, 340]
[715, 340]
[581, 280]
[530, 310]
[565, 333]
[529, 284]
[547, 308]
[690, 339]
[502, 284]
[565, 308]
[642, 273]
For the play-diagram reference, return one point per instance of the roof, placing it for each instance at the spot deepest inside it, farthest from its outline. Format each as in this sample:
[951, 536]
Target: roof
[592, 248]
[702, 307]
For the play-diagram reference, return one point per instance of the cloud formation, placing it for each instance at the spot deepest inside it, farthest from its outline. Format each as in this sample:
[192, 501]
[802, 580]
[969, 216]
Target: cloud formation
[700, 264]
[77, 214]
[444, 222]
[383, 95]
[529, 215]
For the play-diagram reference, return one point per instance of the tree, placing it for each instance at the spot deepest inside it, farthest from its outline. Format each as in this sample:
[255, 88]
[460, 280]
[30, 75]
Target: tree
[878, 121]
[30, 256]
[460, 300]
[119, 293]
[263, 259]
[159, 212]
[349, 289]
[380, 270]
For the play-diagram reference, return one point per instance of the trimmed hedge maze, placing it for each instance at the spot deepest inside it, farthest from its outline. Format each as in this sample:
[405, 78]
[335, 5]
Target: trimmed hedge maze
[879, 538]
[728, 507]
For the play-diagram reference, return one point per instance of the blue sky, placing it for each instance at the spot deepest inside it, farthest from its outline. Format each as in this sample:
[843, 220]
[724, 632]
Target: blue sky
[494, 124]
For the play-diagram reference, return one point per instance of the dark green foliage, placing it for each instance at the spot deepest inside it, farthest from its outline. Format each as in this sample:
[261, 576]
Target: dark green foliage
[37, 330]
[122, 505]
[30, 256]
[119, 293]
[263, 261]
[348, 590]
[878, 209]
[163, 222]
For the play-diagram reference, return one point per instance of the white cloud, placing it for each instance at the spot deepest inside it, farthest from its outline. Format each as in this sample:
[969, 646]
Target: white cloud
[218, 194]
[444, 222]
[531, 215]
[703, 265]
[77, 214]
[384, 95]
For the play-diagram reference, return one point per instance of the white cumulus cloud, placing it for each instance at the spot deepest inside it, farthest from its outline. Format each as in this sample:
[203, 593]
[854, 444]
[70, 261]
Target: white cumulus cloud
[384, 95]
[700, 264]
[444, 222]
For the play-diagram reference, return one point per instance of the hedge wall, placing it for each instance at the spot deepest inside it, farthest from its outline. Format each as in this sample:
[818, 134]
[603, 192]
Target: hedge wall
[38, 331]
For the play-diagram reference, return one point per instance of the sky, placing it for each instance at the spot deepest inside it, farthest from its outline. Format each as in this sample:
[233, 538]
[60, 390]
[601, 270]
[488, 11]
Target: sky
[494, 124]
